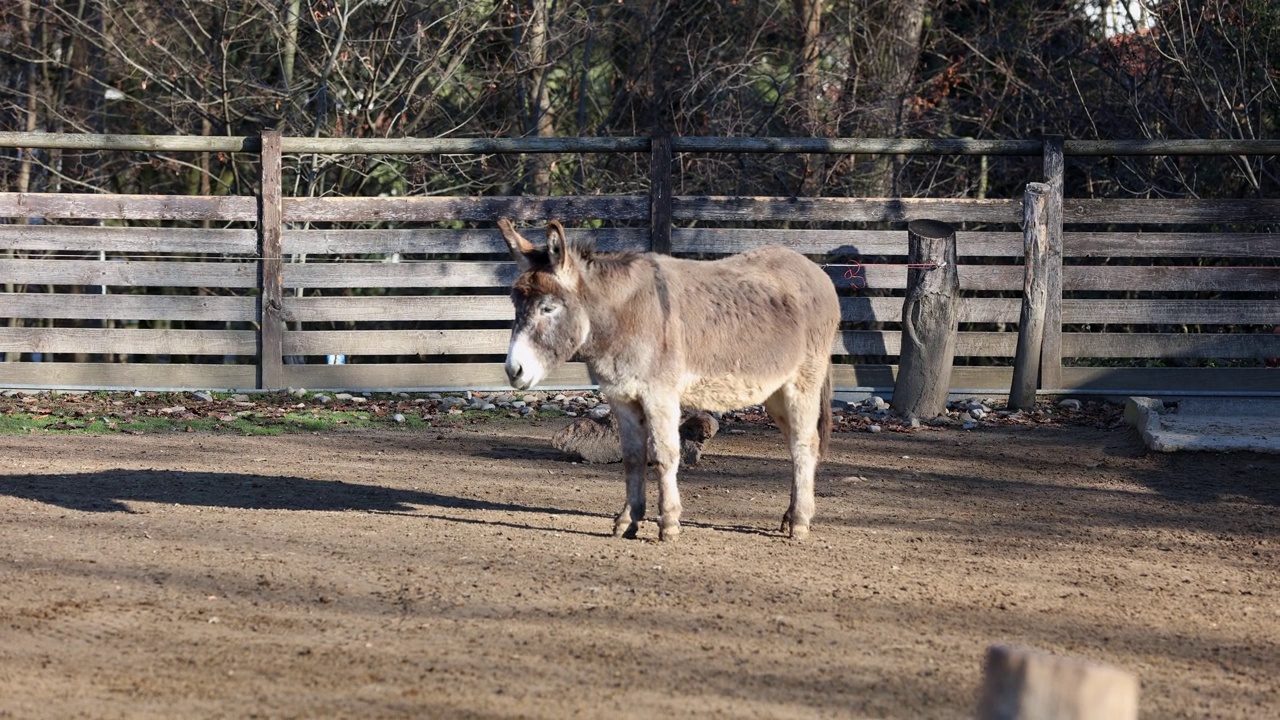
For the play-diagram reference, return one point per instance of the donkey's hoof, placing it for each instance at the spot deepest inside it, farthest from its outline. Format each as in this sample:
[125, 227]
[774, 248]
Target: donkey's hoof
[799, 532]
[626, 529]
[669, 534]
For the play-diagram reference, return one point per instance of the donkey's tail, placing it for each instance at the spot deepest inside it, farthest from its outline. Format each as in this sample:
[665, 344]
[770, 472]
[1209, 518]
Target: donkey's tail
[824, 417]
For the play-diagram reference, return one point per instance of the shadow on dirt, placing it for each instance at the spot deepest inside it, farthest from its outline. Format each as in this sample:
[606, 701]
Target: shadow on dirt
[111, 490]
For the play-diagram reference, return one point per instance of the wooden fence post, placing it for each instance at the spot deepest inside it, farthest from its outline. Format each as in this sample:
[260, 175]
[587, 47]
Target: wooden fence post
[1051, 348]
[1026, 684]
[929, 321]
[271, 274]
[660, 194]
[1035, 294]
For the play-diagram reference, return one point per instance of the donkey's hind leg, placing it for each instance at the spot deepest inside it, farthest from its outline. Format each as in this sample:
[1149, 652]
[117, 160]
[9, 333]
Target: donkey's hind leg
[795, 410]
[634, 435]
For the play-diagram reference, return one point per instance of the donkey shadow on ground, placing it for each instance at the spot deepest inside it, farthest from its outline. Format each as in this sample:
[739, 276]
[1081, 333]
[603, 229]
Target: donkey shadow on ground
[114, 490]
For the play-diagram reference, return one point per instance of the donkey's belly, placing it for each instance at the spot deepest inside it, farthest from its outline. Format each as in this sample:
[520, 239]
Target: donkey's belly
[727, 392]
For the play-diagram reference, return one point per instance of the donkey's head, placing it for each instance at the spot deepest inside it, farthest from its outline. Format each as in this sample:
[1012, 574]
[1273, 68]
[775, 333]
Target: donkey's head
[551, 317]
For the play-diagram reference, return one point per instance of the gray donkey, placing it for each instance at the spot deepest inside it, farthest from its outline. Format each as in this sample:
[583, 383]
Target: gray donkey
[660, 333]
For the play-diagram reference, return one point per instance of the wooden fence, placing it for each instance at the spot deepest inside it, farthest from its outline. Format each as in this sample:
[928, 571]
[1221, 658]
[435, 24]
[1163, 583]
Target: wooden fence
[1180, 283]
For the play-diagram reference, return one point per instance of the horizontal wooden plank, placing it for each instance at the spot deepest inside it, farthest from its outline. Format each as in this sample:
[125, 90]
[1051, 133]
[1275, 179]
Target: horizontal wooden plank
[130, 273]
[400, 275]
[128, 207]
[396, 342]
[127, 376]
[862, 309]
[1159, 312]
[968, 344]
[502, 274]
[457, 146]
[965, 379]
[129, 341]
[149, 240]
[128, 307]
[438, 241]
[1120, 244]
[845, 209]
[494, 342]
[1171, 345]
[436, 209]
[1169, 212]
[1157, 146]
[1170, 381]
[464, 146]
[859, 146]
[398, 308]
[893, 276]
[847, 243]
[1169, 278]
[144, 143]
[423, 377]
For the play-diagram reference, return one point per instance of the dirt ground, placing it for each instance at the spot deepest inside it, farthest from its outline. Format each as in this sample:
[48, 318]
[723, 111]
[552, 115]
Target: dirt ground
[469, 572]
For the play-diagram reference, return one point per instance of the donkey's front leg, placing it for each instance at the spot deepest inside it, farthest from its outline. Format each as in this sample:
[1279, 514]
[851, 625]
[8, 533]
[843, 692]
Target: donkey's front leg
[664, 452]
[634, 435]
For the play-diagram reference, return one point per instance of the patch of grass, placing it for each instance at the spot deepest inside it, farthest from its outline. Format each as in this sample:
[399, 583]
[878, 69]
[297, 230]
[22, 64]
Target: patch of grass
[242, 423]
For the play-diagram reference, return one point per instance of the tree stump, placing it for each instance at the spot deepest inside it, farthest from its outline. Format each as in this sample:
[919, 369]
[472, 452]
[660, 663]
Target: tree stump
[1027, 684]
[1035, 296]
[596, 440]
[929, 321]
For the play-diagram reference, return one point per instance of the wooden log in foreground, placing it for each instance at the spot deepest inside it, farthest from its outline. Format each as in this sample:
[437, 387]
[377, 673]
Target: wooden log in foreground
[1035, 296]
[1028, 684]
[930, 315]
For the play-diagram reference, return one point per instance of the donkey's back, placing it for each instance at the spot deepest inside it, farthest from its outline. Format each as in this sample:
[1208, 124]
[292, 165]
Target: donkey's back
[741, 327]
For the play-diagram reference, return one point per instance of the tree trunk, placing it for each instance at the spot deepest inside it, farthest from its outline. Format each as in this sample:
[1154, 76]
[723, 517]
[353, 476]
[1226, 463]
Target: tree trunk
[929, 321]
[543, 119]
[809, 16]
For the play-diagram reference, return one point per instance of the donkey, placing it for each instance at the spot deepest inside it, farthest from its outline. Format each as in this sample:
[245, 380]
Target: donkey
[660, 333]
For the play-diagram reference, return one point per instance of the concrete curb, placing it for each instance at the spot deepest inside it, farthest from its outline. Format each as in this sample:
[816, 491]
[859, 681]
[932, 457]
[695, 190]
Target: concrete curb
[1207, 424]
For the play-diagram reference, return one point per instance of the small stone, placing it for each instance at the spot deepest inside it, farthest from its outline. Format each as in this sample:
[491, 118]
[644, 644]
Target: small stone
[519, 404]
[435, 396]
[203, 395]
[550, 407]
[969, 426]
[322, 399]
[598, 411]
[560, 398]
[977, 413]
[359, 400]
[488, 406]
[342, 397]
[530, 399]
[526, 410]
[874, 429]
[398, 417]
[1070, 404]
[236, 398]
[699, 428]
[300, 392]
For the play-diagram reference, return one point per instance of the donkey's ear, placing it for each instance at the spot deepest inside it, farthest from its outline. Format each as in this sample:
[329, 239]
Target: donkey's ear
[557, 245]
[521, 249]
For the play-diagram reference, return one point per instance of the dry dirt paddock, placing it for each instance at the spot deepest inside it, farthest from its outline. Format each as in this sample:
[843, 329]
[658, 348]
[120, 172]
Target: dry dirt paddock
[469, 572]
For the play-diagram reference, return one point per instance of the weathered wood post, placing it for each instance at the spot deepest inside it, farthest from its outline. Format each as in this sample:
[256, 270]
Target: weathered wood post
[929, 321]
[1026, 684]
[1051, 349]
[660, 188]
[271, 277]
[1035, 296]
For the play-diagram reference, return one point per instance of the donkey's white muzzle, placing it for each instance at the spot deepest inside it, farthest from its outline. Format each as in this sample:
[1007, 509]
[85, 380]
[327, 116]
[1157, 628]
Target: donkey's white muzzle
[524, 367]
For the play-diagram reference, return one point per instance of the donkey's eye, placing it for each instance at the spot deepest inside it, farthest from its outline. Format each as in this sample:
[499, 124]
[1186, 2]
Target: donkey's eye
[548, 309]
